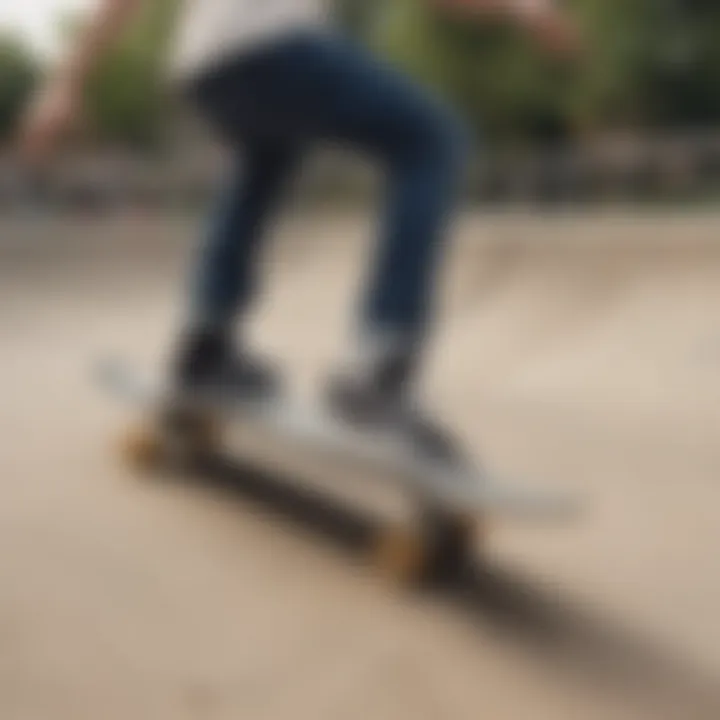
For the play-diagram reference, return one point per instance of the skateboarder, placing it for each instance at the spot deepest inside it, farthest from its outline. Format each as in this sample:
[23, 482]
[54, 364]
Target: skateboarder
[272, 78]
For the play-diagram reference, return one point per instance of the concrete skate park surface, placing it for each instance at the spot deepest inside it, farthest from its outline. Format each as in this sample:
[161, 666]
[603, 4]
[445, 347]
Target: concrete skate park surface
[580, 350]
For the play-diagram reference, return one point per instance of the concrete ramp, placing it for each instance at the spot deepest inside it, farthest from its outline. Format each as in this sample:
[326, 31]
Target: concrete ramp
[581, 350]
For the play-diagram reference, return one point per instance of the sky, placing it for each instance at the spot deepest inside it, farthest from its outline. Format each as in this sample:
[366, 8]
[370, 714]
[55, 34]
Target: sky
[35, 18]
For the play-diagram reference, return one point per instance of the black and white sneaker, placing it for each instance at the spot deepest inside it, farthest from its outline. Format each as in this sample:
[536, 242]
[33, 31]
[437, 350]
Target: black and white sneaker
[377, 400]
[208, 366]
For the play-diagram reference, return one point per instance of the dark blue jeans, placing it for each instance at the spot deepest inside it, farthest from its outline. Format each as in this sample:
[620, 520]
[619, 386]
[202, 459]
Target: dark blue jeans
[273, 104]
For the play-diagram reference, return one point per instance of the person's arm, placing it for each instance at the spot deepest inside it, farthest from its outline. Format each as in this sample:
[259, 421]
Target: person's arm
[500, 9]
[59, 99]
[105, 26]
[544, 18]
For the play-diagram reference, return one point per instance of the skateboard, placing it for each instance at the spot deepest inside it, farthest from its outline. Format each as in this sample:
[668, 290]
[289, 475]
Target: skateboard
[454, 497]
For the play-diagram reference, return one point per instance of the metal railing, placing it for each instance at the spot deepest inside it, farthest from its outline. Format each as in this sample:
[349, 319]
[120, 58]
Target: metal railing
[625, 169]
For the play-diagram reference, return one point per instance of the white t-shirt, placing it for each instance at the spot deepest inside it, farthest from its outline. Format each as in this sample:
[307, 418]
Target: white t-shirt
[210, 30]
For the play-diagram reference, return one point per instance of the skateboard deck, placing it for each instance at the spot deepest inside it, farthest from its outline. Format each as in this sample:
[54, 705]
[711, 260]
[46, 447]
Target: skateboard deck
[459, 486]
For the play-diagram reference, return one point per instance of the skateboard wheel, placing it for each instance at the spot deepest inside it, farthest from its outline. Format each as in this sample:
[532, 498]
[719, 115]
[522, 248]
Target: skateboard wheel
[434, 550]
[402, 554]
[144, 449]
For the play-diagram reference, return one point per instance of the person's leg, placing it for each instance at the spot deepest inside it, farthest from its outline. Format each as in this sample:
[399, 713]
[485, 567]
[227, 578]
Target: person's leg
[225, 279]
[320, 88]
[323, 88]
[326, 88]
[424, 170]
[224, 283]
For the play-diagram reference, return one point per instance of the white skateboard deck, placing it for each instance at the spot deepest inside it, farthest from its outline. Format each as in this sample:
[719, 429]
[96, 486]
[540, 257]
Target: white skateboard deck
[460, 486]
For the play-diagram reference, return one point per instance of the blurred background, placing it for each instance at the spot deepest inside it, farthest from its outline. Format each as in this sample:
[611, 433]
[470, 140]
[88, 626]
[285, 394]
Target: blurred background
[579, 347]
[635, 119]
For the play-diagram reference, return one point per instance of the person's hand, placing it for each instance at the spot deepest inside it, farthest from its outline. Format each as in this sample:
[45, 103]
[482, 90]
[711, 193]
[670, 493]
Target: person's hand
[50, 116]
[552, 28]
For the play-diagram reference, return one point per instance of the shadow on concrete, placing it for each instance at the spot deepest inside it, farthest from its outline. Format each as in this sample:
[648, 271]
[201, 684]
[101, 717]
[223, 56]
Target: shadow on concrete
[578, 643]
[569, 640]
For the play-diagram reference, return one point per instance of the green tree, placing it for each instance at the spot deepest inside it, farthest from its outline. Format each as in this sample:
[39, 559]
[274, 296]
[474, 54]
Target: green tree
[18, 75]
[125, 96]
[491, 72]
[649, 63]
[356, 16]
